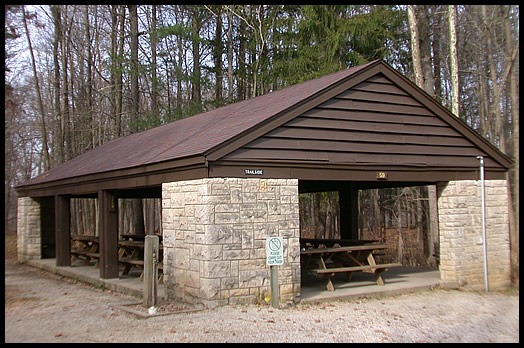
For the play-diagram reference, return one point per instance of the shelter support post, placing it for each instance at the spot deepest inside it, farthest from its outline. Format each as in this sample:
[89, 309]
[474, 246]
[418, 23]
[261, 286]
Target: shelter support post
[151, 256]
[348, 200]
[62, 230]
[108, 229]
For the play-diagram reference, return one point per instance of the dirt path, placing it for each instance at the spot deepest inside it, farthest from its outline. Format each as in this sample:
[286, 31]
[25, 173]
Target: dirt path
[43, 307]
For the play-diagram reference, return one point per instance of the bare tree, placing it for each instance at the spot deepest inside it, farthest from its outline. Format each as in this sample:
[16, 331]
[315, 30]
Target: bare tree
[45, 152]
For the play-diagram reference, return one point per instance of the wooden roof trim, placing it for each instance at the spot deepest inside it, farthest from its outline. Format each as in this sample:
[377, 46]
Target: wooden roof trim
[126, 175]
[284, 116]
[455, 122]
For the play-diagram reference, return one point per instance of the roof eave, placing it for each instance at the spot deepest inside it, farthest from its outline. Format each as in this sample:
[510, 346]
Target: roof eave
[128, 178]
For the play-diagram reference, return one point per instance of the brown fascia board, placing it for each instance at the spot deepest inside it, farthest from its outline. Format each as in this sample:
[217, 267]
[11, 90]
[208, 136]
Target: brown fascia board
[288, 114]
[125, 176]
[445, 115]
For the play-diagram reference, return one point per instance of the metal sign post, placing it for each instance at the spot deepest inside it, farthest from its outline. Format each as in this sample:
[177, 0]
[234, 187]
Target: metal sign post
[483, 204]
[274, 258]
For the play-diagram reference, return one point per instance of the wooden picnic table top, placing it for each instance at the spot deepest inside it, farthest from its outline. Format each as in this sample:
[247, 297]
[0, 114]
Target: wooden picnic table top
[138, 237]
[85, 238]
[134, 243]
[342, 242]
[131, 243]
[343, 249]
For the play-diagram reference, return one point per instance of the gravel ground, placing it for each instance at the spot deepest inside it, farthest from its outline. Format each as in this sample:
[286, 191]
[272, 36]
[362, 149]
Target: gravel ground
[42, 307]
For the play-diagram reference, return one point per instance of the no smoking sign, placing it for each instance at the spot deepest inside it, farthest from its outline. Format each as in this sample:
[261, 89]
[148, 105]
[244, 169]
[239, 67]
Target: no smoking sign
[274, 251]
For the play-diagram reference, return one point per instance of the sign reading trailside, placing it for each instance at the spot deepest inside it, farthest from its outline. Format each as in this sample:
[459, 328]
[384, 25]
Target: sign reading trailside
[274, 251]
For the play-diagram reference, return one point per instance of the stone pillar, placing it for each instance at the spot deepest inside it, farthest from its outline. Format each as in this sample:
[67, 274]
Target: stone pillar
[214, 233]
[460, 229]
[29, 240]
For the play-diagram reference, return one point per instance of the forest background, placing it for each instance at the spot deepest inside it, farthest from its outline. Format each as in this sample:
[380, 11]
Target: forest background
[77, 76]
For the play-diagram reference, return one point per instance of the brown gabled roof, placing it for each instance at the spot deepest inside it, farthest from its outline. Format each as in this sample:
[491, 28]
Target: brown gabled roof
[191, 136]
[202, 140]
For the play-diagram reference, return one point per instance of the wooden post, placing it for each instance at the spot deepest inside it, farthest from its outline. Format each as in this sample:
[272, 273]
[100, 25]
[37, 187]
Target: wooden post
[348, 201]
[151, 251]
[108, 229]
[62, 231]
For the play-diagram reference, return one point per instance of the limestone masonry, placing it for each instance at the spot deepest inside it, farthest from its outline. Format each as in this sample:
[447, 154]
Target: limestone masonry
[214, 234]
[460, 228]
[28, 229]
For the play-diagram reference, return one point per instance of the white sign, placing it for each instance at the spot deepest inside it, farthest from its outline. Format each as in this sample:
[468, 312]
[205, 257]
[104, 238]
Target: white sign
[274, 251]
[253, 172]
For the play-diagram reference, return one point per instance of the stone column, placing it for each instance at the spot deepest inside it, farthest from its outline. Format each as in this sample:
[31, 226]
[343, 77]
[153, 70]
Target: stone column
[214, 233]
[29, 238]
[460, 229]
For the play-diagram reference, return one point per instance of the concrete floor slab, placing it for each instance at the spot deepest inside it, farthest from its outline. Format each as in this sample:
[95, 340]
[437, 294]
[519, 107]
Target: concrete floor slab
[129, 284]
[398, 280]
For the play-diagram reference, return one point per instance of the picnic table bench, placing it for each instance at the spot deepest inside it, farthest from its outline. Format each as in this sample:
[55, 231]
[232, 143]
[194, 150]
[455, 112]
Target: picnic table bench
[326, 262]
[85, 247]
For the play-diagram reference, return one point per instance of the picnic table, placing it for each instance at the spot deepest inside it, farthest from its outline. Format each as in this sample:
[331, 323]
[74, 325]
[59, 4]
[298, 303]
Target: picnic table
[85, 247]
[131, 254]
[325, 262]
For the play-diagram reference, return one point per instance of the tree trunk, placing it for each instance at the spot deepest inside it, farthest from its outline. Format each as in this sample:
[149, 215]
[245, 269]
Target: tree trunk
[241, 89]
[117, 50]
[217, 57]
[133, 21]
[45, 150]
[514, 178]
[415, 48]
[454, 60]
[114, 51]
[154, 82]
[400, 250]
[196, 93]
[89, 79]
[436, 46]
[230, 57]
[59, 140]
[375, 234]
[65, 109]
[425, 54]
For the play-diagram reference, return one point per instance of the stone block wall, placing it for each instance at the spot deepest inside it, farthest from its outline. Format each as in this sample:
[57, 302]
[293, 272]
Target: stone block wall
[214, 234]
[460, 228]
[28, 229]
